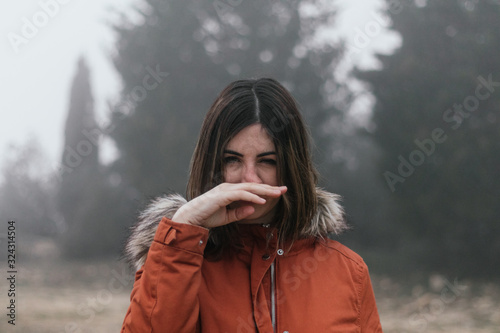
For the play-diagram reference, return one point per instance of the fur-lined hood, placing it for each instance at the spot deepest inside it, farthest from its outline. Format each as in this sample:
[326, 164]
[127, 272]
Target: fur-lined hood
[329, 219]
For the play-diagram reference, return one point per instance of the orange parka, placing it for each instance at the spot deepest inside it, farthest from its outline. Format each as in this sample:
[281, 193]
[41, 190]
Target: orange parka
[318, 285]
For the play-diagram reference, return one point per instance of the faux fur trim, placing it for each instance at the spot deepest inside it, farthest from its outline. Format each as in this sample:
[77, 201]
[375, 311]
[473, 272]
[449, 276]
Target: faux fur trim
[329, 219]
[143, 232]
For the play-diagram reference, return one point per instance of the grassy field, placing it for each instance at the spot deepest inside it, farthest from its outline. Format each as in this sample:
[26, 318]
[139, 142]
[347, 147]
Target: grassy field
[93, 297]
[72, 297]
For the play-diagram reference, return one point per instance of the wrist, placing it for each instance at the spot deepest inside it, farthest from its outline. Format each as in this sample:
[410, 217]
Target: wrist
[180, 217]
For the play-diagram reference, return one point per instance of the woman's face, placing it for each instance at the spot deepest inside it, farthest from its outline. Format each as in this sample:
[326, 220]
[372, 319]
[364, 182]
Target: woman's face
[250, 157]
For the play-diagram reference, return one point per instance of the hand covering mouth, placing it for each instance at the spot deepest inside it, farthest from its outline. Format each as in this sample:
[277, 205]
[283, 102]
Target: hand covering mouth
[241, 203]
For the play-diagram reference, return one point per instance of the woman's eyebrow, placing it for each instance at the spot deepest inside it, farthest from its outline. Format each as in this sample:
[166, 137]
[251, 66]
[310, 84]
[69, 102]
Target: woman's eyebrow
[266, 153]
[232, 152]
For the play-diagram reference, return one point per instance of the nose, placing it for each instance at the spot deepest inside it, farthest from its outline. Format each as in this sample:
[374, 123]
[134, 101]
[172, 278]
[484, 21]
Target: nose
[249, 175]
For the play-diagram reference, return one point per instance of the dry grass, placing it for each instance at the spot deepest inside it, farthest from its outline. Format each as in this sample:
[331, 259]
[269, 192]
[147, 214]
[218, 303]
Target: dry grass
[93, 297]
[438, 305]
[70, 297]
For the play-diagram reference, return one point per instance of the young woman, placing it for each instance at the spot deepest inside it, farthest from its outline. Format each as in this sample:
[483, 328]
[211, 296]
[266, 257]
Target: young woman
[248, 251]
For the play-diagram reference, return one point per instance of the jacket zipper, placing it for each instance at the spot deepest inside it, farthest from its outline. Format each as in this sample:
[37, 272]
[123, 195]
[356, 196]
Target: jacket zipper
[273, 300]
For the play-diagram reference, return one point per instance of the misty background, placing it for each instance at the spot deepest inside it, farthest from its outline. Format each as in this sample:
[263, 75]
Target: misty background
[103, 104]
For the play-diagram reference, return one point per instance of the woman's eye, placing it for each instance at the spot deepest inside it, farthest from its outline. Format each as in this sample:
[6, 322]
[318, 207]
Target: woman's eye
[269, 161]
[230, 159]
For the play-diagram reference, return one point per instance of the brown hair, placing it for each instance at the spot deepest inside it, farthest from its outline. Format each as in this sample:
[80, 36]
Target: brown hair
[240, 104]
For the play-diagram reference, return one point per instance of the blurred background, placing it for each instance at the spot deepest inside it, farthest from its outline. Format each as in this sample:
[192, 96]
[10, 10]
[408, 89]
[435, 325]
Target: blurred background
[103, 102]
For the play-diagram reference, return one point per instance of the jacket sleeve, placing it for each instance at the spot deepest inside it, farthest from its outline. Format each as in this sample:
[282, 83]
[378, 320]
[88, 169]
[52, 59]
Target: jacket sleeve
[369, 318]
[165, 293]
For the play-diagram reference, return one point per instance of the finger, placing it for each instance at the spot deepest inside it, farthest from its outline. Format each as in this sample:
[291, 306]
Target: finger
[239, 213]
[283, 189]
[268, 191]
[242, 195]
[260, 189]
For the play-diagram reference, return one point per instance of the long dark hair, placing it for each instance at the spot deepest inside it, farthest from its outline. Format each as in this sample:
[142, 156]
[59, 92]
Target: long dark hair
[240, 104]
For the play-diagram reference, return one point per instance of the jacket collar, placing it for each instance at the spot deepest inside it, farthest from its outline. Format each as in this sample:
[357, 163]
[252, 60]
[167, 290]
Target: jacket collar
[329, 219]
[265, 238]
